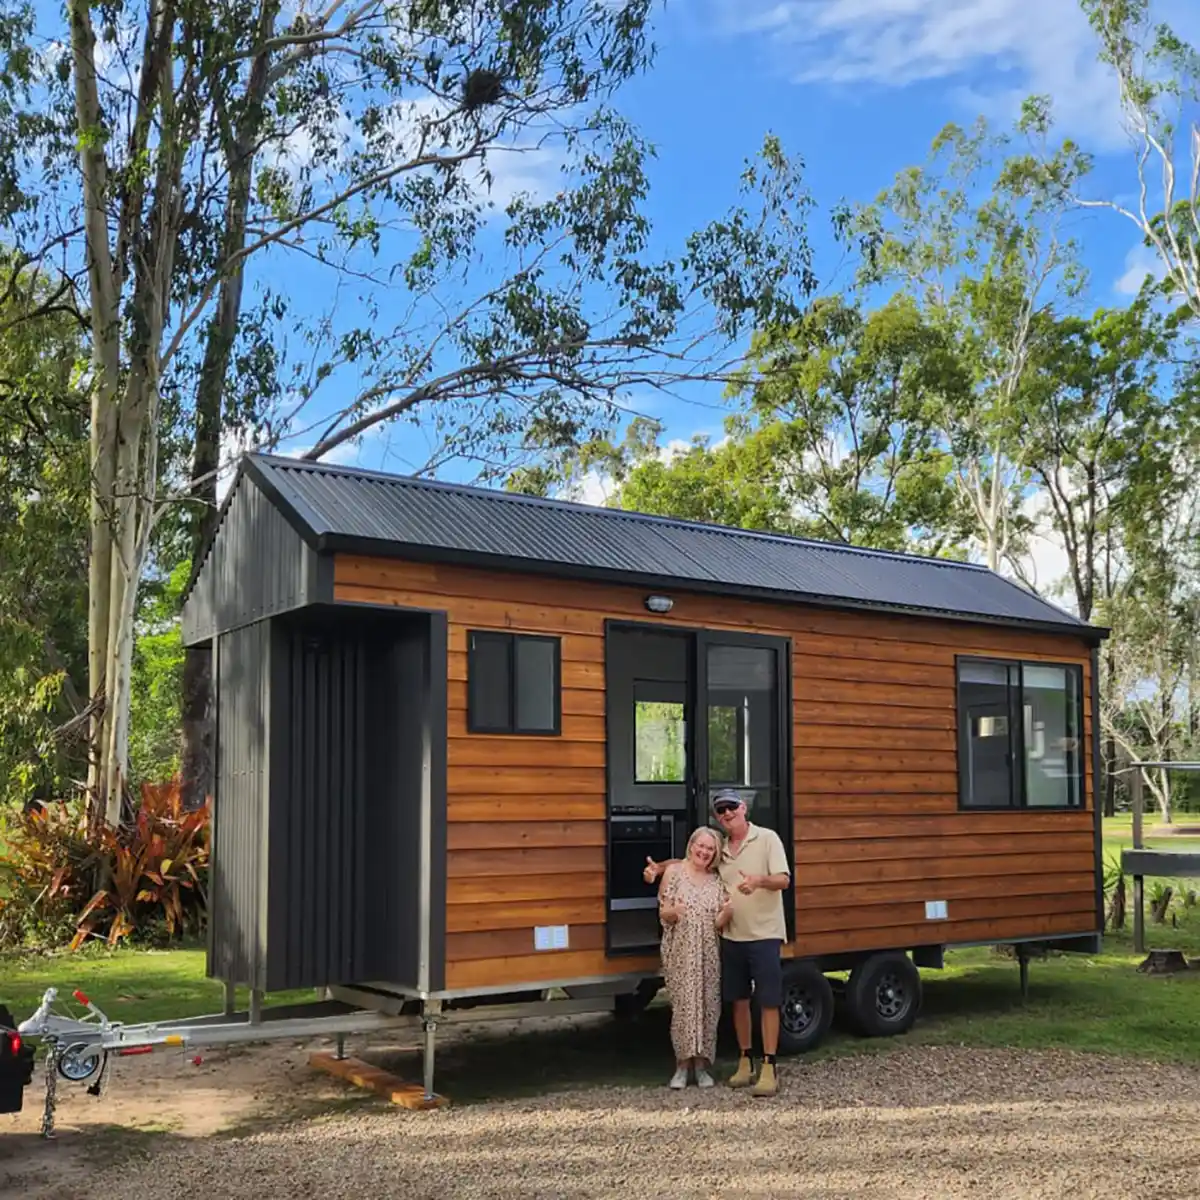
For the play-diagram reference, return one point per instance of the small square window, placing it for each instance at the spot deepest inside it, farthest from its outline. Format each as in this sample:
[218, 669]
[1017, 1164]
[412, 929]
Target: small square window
[513, 683]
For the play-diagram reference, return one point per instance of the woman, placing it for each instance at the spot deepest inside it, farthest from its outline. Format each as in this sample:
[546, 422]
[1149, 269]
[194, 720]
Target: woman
[694, 907]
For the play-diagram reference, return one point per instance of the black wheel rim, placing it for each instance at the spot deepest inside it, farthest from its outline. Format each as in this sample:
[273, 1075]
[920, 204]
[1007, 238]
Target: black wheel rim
[893, 997]
[800, 1010]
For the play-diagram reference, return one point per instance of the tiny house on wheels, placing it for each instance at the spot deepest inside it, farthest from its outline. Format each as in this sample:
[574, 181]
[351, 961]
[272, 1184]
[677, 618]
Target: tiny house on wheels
[452, 724]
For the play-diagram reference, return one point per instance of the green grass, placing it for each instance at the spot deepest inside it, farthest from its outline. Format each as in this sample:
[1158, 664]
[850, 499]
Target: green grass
[129, 985]
[1085, 1003]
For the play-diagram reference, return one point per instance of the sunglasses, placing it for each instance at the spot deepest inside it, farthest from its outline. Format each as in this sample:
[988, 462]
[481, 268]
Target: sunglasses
[722, 809]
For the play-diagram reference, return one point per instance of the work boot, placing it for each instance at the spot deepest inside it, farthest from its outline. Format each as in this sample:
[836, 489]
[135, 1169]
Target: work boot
[767, 1084]
[744, 1075]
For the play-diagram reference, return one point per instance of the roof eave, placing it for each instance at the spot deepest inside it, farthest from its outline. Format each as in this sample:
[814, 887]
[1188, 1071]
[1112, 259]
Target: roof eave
[341, 543]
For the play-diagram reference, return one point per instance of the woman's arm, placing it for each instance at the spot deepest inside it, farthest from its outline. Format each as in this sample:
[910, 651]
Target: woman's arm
[725, 912]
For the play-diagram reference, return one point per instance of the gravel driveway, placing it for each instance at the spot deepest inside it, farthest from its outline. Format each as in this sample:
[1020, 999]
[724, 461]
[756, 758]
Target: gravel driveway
[914, 1122]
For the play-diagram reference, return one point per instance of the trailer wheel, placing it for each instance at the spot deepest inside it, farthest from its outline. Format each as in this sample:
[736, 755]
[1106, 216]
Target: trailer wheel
[78, 1063]
[883, 996]
[627, 1005]
[807, 1009]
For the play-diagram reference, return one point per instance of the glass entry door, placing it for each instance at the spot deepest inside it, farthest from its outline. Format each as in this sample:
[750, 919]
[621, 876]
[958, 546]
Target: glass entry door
[743, 731]
[688, 713]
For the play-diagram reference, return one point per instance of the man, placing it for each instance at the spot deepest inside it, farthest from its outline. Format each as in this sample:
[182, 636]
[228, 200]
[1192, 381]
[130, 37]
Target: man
[754, 869]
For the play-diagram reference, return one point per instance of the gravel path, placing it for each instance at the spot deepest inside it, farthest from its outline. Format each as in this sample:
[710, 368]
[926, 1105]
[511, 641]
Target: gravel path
[919, 1122]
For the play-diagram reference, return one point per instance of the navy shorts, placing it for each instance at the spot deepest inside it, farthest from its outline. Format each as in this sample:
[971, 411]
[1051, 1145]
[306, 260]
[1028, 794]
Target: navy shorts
[757, 966]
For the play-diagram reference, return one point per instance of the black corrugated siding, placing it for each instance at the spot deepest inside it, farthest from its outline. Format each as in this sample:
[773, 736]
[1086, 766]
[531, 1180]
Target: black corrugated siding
[258, 565]
[237, 882]
[349, 746]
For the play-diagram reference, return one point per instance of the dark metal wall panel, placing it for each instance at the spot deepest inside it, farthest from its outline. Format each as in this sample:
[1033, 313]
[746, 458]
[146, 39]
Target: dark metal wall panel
[349, 756]
[237, 882]
[257, 565]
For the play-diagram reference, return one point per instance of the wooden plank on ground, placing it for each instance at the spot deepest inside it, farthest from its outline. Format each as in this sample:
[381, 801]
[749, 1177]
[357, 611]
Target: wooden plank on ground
[373, 1079]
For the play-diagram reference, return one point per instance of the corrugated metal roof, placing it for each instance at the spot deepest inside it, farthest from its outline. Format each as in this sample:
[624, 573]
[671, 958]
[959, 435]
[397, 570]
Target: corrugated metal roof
[339, 506]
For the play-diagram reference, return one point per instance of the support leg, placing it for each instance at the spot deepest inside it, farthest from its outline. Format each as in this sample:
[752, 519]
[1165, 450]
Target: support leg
[341, 1046]
[430, 1026]
[230, 998]
[1139, 915]
[256, 1006]
[1023, 960]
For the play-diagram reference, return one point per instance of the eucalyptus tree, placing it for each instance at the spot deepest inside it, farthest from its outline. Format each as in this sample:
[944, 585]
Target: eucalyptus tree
[284, 220]
[977, 238]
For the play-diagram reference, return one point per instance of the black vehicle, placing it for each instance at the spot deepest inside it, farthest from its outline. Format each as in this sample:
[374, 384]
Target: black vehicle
[16, 1064]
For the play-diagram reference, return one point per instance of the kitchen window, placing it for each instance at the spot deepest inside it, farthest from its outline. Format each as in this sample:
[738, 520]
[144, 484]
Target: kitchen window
[513, 683]
[1020, 739]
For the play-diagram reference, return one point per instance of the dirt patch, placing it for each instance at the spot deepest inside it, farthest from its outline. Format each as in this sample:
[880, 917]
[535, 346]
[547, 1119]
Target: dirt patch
[258, 1123]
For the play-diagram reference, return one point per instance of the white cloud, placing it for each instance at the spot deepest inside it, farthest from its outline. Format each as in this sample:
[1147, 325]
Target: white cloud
[1038, 46]
[1141, 261]
[1046, 565]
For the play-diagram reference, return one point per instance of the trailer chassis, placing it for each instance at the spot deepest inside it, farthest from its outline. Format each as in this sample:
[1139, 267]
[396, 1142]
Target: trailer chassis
[78, 1048]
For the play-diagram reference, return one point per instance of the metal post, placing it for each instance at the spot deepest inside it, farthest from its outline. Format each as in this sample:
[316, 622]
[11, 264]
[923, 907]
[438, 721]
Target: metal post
[1023, 959]
[256, 1006]
[230, 998]
[429, 1022]
[341, 1046]
[1136, 786]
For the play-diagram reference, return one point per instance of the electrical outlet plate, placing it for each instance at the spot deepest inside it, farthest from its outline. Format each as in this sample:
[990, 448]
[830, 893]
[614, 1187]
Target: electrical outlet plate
[550, 937]
[935, 910]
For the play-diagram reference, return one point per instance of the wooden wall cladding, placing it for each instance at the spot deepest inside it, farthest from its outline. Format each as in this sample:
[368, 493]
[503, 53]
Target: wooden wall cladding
[877, 827]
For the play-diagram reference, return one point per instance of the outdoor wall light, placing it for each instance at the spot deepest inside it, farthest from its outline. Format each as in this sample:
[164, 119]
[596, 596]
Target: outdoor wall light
[660, 604]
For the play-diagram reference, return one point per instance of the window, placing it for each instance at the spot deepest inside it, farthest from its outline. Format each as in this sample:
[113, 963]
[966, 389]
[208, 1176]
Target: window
[659, 732]
[1020, 743]
[513, 683]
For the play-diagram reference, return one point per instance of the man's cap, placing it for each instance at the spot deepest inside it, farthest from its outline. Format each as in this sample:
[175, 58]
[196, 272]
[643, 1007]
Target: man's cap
[726, 798]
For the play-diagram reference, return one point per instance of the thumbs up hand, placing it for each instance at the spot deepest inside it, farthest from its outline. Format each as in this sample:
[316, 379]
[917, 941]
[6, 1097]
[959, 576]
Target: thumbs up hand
[748, 885]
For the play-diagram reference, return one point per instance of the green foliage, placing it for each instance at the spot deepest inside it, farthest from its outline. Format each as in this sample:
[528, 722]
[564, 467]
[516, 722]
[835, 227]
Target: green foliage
[154, 745]
[152, 874]
[43, 539]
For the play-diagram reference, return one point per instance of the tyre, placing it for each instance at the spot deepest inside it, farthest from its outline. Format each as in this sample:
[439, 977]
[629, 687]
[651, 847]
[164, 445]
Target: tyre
[807, 1009]
[627, 1005]
[883, 996]
[79, 1063]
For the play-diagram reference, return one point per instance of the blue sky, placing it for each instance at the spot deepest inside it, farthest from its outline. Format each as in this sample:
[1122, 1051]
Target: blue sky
[857, 89]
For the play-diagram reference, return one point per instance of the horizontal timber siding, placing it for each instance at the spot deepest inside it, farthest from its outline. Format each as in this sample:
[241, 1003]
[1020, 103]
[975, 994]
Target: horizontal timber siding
[877, 826]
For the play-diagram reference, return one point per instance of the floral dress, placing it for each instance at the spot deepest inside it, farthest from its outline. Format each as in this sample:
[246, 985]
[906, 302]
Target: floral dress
[691, 959]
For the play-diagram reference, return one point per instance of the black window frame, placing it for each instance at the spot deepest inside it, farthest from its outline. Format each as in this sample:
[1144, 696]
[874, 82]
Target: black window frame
[510, 641]
[1018, 789]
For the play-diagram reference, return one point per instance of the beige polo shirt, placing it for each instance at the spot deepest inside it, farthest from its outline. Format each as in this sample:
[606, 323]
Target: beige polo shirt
[759, 915]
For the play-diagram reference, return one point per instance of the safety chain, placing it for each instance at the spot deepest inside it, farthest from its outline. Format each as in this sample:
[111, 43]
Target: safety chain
[52, 1056]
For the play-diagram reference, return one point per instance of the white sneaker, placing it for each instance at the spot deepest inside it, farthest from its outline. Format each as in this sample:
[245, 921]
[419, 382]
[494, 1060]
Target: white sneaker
[704, 1079]
[679, 1079]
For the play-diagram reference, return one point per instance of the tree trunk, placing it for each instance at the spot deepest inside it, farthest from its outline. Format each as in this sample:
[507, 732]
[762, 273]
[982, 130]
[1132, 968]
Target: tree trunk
[196, 758]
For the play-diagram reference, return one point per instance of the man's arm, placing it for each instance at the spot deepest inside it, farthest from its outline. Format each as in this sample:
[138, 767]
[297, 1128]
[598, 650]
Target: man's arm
[778, 873]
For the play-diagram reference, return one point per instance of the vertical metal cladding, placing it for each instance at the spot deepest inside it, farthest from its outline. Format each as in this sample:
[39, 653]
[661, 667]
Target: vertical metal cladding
[237, 883]
[348, 752]
[258, 565]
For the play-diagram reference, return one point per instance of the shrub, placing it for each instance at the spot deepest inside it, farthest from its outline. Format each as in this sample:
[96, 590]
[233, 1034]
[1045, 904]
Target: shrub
[113, 886]
[45, 873]
[158, 869]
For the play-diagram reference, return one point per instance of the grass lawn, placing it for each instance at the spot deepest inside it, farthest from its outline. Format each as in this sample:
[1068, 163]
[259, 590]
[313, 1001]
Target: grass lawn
[1098, 1004]
[1088, 1003]
[129, 985]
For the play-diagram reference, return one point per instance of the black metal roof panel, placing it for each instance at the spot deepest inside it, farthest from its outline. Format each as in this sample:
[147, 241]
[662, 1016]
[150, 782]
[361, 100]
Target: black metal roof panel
[341, 508]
